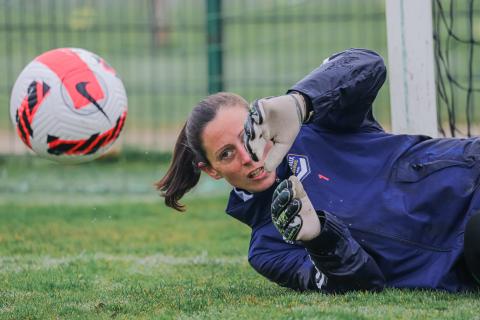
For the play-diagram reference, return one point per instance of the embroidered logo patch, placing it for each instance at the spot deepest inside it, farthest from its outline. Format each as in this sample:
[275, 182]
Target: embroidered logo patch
[299, 165]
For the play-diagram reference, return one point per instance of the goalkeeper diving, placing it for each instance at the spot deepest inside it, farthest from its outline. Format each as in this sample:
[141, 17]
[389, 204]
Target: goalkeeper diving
[334, 202]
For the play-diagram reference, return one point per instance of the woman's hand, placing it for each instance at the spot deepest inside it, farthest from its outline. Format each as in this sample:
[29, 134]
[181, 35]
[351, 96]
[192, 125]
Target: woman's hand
[276, 119]
[292, 212]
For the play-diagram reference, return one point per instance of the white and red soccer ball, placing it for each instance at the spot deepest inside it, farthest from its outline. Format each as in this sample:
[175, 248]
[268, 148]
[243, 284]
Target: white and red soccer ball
[68, 105]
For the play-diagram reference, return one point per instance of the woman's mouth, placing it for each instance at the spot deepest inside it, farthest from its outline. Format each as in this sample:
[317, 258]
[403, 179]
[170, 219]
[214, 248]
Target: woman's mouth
[256, 173]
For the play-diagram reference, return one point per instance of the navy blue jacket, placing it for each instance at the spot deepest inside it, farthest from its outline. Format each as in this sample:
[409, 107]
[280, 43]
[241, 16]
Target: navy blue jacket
[393, 207]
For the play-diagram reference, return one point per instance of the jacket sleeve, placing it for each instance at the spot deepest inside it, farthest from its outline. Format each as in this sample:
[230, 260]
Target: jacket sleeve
[343, 261]
[298, 268]
[341, 91]
[286, 264]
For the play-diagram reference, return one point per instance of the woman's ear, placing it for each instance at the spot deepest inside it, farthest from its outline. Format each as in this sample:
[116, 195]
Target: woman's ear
[210, 171]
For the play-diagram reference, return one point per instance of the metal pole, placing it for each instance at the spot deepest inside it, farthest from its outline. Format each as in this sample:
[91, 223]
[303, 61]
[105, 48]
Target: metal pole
[411, 66]
[214, 46]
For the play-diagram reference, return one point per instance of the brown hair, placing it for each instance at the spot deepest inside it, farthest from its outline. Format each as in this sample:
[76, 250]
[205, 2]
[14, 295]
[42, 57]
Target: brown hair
[184, 173]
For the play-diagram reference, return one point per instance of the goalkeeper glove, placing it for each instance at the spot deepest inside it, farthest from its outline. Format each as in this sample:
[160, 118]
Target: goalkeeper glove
[277, 119]
[292, 212]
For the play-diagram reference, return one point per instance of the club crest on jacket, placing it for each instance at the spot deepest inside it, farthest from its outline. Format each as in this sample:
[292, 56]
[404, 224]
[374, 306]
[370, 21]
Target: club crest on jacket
[299, 165]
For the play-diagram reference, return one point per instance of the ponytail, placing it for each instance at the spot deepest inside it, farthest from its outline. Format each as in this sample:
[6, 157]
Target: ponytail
[181, 176]
[183, 173]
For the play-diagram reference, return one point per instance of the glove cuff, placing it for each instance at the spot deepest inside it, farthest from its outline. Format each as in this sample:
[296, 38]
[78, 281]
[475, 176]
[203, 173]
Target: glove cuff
[318, 241]
[304, 104]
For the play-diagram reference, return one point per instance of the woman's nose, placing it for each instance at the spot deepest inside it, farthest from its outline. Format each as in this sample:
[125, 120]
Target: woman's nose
[244, 155]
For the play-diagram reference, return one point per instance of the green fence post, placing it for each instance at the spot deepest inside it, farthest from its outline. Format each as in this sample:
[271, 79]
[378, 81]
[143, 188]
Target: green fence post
[214, 46]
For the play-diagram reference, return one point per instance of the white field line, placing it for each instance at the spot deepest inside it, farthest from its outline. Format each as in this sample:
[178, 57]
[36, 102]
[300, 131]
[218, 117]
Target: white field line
[31, 262]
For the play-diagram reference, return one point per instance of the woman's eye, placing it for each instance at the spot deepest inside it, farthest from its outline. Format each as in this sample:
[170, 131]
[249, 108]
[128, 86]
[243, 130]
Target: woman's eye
[226, 154]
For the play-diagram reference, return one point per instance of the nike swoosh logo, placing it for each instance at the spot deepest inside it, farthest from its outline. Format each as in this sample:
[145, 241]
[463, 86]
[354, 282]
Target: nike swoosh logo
[82, 89]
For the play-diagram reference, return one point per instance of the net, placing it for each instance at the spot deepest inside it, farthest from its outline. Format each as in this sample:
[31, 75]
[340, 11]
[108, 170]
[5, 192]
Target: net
[456, 38]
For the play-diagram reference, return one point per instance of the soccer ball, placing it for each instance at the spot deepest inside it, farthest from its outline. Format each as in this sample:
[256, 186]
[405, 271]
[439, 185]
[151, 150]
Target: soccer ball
[68, 105]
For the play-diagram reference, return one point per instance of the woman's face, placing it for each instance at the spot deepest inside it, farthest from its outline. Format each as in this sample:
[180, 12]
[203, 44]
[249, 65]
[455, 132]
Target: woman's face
[223, 143]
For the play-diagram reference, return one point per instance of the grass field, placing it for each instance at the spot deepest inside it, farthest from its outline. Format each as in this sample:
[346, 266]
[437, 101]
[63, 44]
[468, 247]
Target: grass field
[86, 242]
[94, 241]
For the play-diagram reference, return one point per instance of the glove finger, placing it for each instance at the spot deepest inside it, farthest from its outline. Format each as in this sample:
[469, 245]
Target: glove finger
[280, 202]
[256, 111]
[297, 187]
[275, 156]
[282, 185]
[289, 214]
[254, 117]
[253, 139]
[293, 229]
[294, 207]
[248, 135]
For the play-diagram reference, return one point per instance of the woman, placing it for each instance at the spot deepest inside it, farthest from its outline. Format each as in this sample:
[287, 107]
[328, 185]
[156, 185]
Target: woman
[334, 202]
